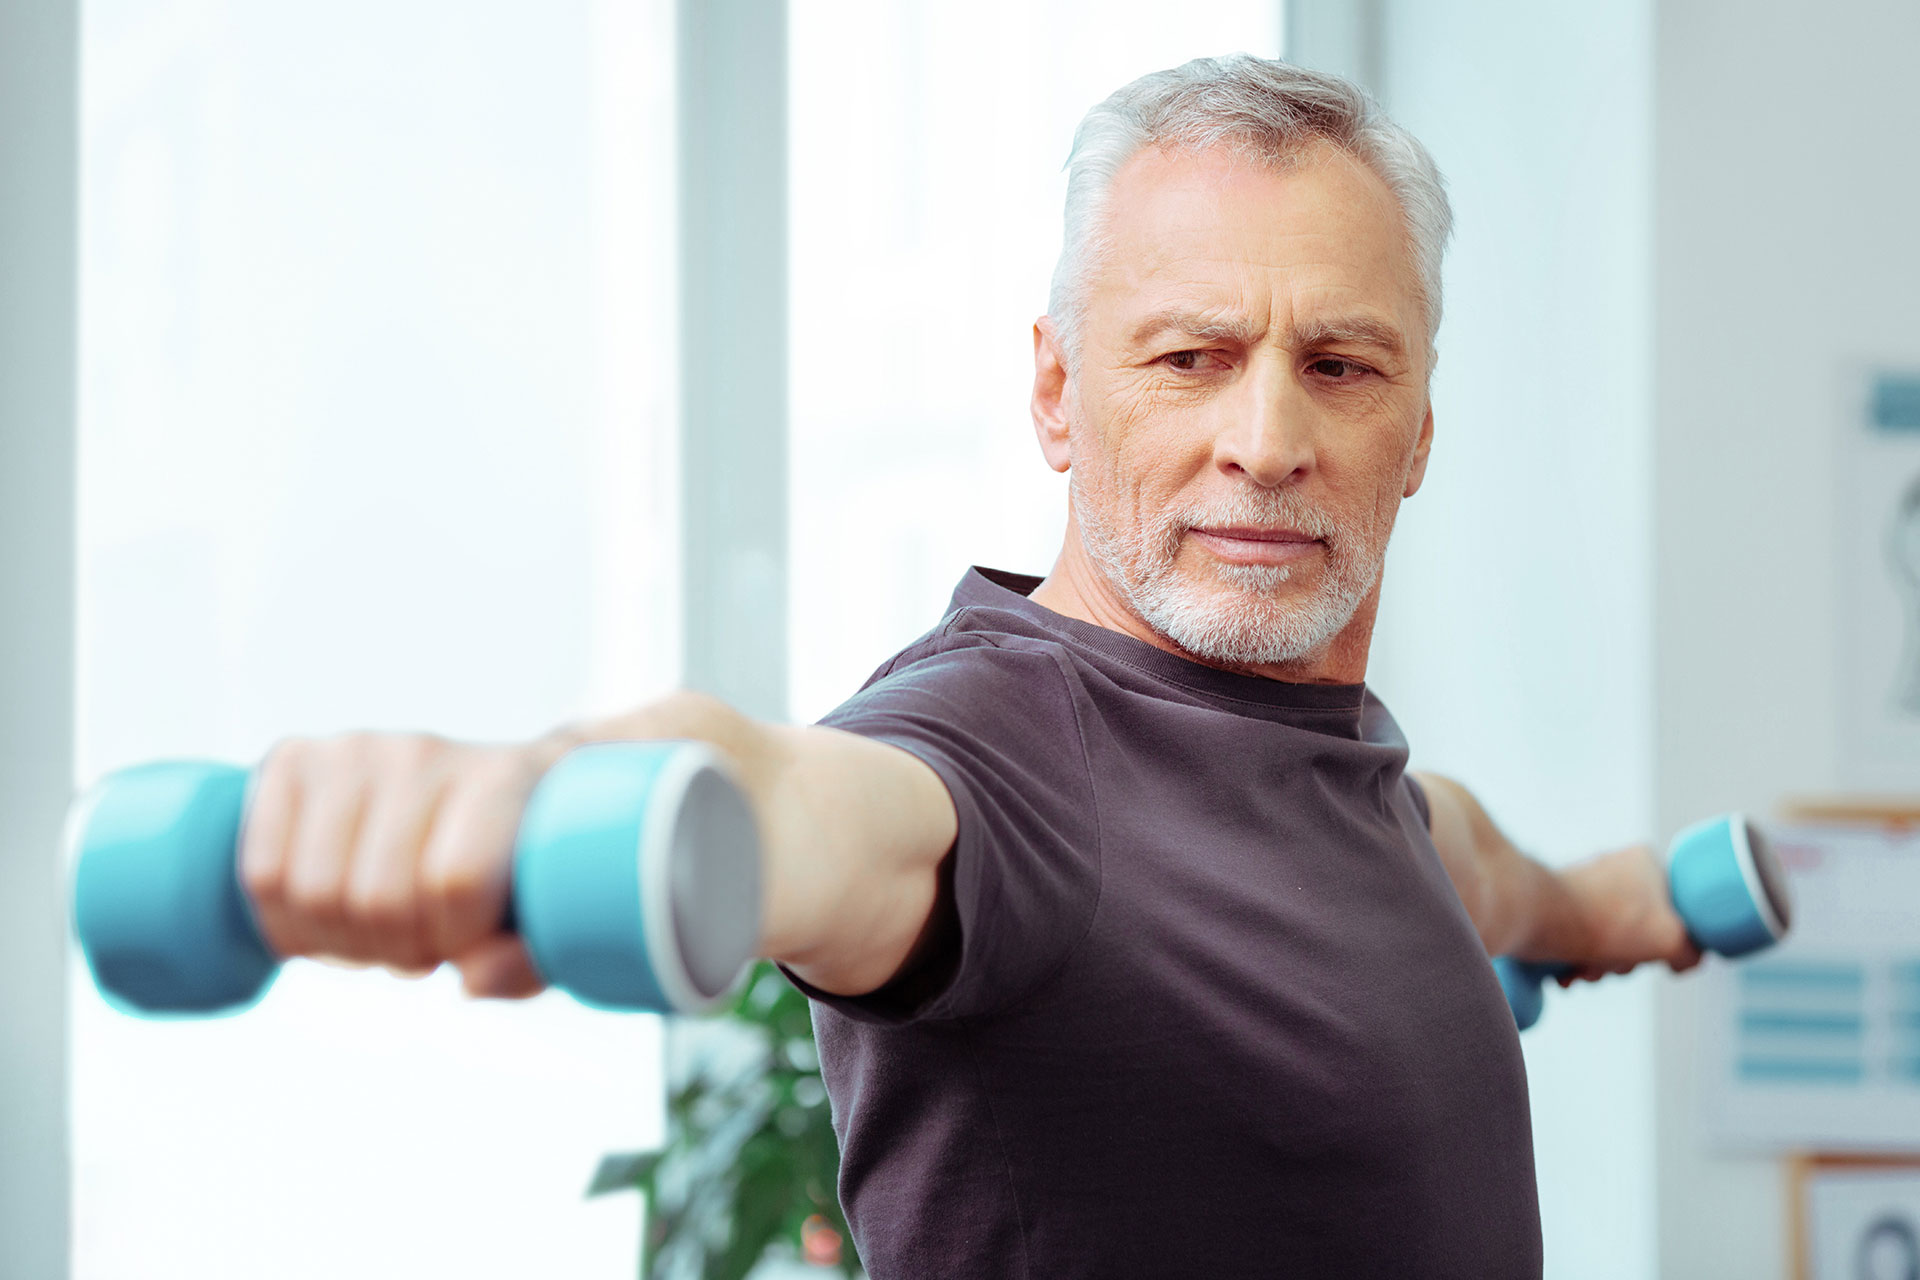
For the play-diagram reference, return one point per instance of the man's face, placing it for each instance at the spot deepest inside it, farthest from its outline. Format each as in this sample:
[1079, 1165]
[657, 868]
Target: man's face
[1250, 403]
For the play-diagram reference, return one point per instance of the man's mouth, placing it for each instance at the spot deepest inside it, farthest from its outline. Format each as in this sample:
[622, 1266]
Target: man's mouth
[1250, 544]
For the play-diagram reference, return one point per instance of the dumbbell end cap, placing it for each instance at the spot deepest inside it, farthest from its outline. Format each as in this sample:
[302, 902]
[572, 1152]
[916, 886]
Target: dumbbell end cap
[1728, 886]
[157, 906]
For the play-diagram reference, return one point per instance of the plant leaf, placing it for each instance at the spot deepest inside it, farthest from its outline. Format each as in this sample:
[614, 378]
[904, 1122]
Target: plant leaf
[623, 1171]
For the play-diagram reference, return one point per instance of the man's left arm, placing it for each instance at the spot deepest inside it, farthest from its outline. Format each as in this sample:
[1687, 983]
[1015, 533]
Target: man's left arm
[1604, 915]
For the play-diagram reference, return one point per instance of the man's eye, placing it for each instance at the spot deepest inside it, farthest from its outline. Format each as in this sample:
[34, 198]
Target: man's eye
[1184, 361]
[1338, 367]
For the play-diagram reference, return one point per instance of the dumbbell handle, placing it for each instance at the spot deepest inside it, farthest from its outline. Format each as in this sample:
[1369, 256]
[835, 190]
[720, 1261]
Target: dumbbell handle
[1524, 982]
[1727, 888]
[636, 883]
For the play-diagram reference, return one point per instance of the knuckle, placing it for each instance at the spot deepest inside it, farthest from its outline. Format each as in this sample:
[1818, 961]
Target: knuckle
[284, 761]
[411, 752]
[315, 904]
[288, 751]
[349, 754]
[329, 767]
[335, 772]
[492, 769]
[265, 882]
[380, 910]
[355, 744]
[453, 887]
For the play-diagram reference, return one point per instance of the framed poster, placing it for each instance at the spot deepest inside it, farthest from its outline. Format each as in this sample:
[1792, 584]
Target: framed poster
[1877, 581]
[1856, 1218]
[1815, 1044]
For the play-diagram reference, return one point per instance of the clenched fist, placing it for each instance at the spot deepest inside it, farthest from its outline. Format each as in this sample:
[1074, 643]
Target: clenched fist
[1624, 897]
[392, 849]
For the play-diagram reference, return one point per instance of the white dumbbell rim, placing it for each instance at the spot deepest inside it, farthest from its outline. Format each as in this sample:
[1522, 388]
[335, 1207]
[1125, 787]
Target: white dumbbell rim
[1749, 874]
[658, 846]
[1756, 884]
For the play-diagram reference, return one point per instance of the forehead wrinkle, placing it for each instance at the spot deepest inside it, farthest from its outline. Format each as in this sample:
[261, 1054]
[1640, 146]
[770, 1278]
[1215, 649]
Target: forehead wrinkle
[1211, 298]
[1184, 239]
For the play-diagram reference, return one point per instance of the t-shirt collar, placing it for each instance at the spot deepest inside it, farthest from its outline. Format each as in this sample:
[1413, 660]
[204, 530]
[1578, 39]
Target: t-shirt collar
[1001, 589]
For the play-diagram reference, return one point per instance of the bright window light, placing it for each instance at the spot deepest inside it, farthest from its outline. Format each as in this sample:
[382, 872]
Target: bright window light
[376, 433]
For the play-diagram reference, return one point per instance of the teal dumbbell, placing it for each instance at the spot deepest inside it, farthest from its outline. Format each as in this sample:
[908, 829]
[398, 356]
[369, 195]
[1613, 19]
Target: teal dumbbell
[1727, 887]
[636, 883]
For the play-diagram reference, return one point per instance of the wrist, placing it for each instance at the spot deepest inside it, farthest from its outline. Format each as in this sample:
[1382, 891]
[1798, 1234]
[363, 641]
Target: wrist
[683, 715]
[1557, 920]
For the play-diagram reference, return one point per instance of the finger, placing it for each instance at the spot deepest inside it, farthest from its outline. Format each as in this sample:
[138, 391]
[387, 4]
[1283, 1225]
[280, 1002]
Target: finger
[499, 968]
[466, 867]
[316, 878]
[412, 972]
[1686, 957]
[273, 810]
[383, 901]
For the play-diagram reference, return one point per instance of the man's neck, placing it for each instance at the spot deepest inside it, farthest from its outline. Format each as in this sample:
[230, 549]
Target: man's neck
[1078, 588]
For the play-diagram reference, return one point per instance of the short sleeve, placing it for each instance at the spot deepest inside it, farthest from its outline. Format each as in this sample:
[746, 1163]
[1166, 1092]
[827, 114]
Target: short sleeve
[1002, 729]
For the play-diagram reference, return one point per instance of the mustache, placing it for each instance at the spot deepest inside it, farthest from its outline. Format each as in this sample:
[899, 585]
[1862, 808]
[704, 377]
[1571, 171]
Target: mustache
[1264, 511]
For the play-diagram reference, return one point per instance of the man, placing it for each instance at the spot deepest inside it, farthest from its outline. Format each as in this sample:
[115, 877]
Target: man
[1136, 951]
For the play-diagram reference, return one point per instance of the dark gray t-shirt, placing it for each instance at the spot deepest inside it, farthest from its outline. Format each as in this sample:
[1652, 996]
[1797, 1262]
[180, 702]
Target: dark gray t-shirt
[1204, 1002]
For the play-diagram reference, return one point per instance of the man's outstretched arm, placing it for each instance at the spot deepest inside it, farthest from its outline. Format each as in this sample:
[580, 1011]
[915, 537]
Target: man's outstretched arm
[396, 849]
[853, 832]
[1604, 915]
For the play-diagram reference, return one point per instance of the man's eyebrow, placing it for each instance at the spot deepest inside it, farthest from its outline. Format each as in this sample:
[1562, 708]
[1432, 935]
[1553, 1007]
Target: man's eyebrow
[1196, 325]
[1364, 330]
[1202, 327]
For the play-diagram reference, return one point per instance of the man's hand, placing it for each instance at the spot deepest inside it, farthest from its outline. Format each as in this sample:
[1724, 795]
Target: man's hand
[392, 849]
[1605, 915]
[397, 849]
[1629, 915]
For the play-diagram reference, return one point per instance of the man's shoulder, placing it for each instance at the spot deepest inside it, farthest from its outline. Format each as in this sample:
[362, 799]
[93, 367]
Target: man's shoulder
[976, 642]
[981, 675]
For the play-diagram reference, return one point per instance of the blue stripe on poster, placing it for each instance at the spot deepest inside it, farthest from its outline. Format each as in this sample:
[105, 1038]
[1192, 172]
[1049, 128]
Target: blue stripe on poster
[1895, 402]
[1801, 1070]
[1846, 1025]
[1804, 976]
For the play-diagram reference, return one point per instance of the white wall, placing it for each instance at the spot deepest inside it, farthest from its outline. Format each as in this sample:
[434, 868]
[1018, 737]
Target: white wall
[1515, 634]
[1611, 611]
[1786, 201]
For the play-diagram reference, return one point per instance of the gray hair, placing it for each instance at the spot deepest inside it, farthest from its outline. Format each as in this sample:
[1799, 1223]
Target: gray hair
[1265, 110]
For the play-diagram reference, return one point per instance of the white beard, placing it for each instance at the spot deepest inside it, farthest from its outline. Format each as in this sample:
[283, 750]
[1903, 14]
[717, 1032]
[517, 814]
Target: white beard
[1253, 625]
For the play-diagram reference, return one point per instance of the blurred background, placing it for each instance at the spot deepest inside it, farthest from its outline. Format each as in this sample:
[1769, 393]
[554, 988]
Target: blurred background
[477, 366]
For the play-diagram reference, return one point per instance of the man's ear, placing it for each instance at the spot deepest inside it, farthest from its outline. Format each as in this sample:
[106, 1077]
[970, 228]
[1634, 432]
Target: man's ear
[1050, 389]
[1421, 448]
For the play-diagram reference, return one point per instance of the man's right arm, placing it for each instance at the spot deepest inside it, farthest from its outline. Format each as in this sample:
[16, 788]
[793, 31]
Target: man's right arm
[396, 849]
[852, 833]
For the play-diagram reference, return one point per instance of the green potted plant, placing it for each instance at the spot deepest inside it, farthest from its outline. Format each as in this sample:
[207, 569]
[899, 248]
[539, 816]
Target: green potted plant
[750, 1165]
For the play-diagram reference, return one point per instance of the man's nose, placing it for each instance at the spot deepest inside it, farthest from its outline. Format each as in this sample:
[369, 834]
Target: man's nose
[1269, 433]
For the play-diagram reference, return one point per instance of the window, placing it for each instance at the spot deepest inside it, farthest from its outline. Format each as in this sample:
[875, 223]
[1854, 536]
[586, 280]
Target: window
[373, 435]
